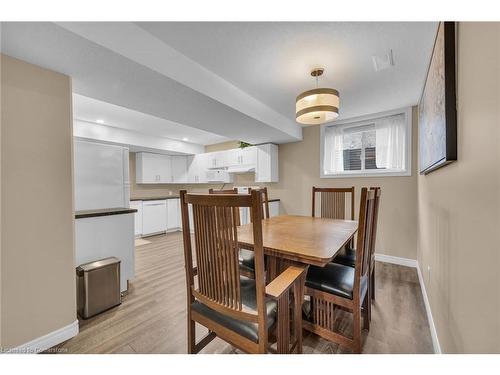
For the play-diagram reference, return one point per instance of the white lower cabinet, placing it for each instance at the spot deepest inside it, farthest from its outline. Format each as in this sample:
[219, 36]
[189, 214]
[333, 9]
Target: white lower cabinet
[173, 214]
[137, 217]
[154, 217]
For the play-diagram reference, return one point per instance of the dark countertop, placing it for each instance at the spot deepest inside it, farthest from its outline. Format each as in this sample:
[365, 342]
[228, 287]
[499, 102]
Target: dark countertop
[176, 196]
[155, 199]
[104, 212]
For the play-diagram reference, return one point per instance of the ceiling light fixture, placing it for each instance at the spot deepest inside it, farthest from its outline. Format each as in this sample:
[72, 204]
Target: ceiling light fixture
[317, 106]
[99, 121]
[185, 139]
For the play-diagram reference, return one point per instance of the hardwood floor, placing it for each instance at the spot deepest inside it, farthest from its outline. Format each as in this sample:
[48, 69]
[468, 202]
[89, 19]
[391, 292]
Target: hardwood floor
[152, 317]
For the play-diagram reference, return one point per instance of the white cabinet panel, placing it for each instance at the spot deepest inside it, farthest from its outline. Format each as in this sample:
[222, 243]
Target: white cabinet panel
[107, 236]
[137, 217]
[197, 167]
[241, 157]
[173, 212]
[153, 168]
[100, 176]
[215, 159]
[154, 217]
[267, 163]
[179, 169]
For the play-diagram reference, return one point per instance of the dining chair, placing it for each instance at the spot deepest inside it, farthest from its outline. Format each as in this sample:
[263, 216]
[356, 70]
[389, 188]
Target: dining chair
[336, 203]
[239, 310]
[347, 256]
[246, 257]
[339, 285]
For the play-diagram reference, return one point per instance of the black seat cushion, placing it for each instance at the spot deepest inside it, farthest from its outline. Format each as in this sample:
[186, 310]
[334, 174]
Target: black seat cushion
[248, 299]
[346, 256]
[247, 260]
[335, 279]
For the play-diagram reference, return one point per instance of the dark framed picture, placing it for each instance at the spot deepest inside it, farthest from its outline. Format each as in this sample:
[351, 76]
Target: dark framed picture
[437, 120]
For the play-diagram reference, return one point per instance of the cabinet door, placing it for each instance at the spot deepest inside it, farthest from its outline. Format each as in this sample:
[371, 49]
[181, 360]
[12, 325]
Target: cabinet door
[154, 217]
[233, 157]
[165, 169]
[137, 217]
[153, 168]
[267, 163]
[179, 169]
[248, 156]
[173, 214]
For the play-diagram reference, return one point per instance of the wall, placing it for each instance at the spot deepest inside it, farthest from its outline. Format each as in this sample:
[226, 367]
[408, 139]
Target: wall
[458, 206]
[37, 259]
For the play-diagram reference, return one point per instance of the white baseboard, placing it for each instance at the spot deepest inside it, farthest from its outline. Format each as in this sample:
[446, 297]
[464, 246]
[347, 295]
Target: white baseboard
[48, 341]
[434, 335]
[396, 260]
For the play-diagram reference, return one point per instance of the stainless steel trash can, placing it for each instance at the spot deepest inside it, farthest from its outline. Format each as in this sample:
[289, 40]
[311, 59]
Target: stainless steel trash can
[98, 286]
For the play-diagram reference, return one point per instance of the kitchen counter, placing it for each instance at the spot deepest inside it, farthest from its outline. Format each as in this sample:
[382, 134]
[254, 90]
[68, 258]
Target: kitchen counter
[176, 197]
[103, 212]
[155, 198]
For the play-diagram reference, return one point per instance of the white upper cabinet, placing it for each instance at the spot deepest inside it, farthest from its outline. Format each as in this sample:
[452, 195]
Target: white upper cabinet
[267, 163]
[241, 157]
[209, 167]
[215, 159]
[179, 169]
[197, 167]
[153, 168]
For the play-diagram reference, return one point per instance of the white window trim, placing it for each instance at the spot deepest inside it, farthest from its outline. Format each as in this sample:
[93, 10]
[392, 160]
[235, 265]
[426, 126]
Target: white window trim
[368, 119]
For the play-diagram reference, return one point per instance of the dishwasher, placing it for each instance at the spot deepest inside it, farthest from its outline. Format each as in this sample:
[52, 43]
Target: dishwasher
[154, 217]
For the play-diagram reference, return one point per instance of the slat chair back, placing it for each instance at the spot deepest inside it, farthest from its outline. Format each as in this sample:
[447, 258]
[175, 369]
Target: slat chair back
[228, 191]
[378, 193]
[365, 236]
[216, 249]
[334, 203]
[265, 201]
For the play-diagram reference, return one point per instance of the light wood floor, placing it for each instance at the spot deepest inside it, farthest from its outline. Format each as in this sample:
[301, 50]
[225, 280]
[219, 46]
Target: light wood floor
[152, 317]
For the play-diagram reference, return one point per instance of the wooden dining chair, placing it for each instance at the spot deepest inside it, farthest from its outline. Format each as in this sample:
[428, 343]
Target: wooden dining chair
[246, 257]
[339, 285]
[347, 256]
[237, 309]
[336, 203]
[378, 193]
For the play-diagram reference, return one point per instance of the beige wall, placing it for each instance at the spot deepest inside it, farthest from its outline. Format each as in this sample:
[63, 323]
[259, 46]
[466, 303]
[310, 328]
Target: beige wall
[459, 206]
[37, 259]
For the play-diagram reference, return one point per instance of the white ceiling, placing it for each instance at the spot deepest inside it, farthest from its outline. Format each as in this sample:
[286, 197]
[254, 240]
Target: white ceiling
[272, 60]
[91, 110]
[233, 80]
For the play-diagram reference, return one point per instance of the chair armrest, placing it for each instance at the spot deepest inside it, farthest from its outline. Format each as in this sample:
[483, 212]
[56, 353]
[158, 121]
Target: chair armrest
[284, 281]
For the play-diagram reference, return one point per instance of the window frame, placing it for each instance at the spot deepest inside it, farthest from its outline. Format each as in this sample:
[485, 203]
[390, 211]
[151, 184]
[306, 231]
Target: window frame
[366, 120]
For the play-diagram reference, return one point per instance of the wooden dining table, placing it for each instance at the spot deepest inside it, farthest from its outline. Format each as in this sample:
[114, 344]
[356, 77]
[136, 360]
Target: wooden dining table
[299, 241]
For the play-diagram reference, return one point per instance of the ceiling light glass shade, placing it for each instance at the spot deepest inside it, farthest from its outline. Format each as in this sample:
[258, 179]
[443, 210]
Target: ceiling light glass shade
[317, 106]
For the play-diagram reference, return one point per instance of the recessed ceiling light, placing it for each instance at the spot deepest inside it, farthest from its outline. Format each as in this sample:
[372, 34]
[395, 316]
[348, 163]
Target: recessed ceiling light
[185, 139]
[99, 121]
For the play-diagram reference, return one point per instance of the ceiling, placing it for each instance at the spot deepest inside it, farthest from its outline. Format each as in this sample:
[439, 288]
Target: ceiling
[92, 110]
[211, 81]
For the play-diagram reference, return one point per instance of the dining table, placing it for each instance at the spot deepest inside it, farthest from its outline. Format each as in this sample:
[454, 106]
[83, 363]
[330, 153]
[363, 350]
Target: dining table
[299, 241]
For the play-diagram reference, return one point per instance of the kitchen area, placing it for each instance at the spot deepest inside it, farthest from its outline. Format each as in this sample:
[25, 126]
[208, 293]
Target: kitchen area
[123, 197]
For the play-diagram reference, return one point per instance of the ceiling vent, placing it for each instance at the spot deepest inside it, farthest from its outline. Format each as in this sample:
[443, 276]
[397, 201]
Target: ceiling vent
[382, 62]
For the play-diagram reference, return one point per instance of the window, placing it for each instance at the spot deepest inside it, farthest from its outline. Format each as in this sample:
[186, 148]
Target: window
[369, 146]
